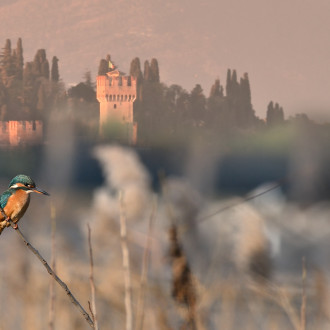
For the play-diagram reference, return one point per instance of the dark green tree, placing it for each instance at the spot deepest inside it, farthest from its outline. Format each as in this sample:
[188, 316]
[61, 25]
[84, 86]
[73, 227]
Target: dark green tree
[41, 99]
[197, 103]
[40, 64]
[103, 67]
[228, 84]
[216, 89]
[146, 72]
[19, 60]
[245, 90]
[154, 71]
[8, 69]
[135, 70]
[275, 115]
[84, 91]
[218, 115]
[55, 75]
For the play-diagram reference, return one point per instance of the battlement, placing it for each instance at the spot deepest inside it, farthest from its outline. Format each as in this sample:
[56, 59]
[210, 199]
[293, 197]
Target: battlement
[116, 88]
[116, 94]
[14, 133]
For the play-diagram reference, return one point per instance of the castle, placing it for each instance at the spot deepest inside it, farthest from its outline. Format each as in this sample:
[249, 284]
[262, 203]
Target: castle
[15, 133]
[116, 94]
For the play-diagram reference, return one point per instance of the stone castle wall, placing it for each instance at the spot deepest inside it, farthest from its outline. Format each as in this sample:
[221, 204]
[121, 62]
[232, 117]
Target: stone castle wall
[116, 94]
[15, 133]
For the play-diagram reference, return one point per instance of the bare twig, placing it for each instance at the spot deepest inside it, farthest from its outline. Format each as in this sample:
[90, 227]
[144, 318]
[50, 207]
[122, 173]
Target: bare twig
[53, 265]
[126, 265]
[50, 271]
[91, 310]
[303, 296]
[145, 264]
[91, 279]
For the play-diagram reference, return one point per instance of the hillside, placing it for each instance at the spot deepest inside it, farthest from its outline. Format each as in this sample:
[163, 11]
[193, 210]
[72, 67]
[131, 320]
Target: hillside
[194, 42]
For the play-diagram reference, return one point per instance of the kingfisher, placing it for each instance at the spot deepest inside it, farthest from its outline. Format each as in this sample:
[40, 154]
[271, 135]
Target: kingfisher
[16, 199]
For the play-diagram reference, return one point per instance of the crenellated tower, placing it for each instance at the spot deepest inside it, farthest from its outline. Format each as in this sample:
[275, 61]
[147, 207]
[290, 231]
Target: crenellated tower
[116, 94]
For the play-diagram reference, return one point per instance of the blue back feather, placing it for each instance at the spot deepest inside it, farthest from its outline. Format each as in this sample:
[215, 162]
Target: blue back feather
[4, 198]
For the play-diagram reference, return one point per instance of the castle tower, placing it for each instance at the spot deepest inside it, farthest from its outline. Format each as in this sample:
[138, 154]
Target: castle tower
[116, 94]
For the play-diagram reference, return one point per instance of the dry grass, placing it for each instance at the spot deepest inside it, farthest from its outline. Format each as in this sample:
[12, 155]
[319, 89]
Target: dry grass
[230, 301]
[181, 274]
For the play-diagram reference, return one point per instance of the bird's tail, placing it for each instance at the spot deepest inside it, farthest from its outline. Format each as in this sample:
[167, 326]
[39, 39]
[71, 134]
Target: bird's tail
[3, 225]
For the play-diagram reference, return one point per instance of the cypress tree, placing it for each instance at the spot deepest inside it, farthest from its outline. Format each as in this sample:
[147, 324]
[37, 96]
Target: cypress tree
[246, 90]
[19, 59]
[41, 99]
[234, 77]
[29, 79]
[55, 76]
[8, 67]
[45, 69]
[40, 64]
[135, 70]
[106, 65]
[197, 104]
[154, 71]
[235, 85]
[146, 72]
[270, 113]
[228, 84]
[103, 67]
[216, 89]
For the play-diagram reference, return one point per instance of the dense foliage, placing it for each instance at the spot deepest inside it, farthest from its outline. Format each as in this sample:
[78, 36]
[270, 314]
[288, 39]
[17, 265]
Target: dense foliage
[33, 90]
[28, 91]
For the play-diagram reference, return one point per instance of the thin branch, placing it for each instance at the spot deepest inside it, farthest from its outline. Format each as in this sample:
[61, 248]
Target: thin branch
[247, 198]
[145, 264]
[91, 279]
[126, 266]
[303, 296]
[50, 271]
[53, 265]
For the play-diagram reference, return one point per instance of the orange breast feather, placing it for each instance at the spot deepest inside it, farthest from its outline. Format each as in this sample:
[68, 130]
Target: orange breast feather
[17, 205]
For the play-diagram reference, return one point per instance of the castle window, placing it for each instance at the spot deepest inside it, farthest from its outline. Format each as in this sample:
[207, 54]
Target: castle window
[115, 106]
[117, 97]
[125, 97]
[121, 98]
[110, 97]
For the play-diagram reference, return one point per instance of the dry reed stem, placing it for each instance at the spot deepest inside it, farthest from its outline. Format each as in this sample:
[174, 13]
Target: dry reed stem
[280, 296]
[52, 295]
[126, 265]
[145, 266]
[50, 271]
[303, 296]
[91, 279]
[285, 303]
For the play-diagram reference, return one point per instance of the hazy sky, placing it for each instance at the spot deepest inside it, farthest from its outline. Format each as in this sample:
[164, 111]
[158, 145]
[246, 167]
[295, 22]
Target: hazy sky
[284, 45]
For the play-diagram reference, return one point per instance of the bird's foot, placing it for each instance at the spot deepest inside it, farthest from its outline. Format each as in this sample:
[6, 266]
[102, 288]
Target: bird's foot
[9, 223]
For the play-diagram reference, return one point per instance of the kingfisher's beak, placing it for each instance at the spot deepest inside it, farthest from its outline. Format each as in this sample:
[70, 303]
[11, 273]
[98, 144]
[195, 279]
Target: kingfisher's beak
[40, 191]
